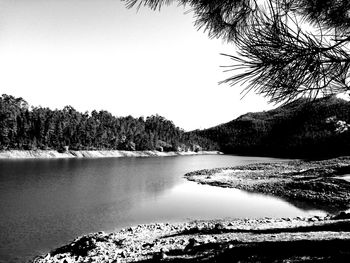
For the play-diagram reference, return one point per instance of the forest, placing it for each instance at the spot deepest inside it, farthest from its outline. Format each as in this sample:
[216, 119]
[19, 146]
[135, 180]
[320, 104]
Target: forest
[304, 128]
[318, 128]
[29, 128]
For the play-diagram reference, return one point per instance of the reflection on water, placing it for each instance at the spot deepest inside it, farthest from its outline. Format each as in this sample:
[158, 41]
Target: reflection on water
[192, 201]
[46, 203]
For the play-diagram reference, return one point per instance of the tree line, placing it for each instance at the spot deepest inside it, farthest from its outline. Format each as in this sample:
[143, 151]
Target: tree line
[29, 128]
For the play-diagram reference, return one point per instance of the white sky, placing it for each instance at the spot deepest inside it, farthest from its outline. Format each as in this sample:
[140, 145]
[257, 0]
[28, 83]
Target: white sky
[96, 54]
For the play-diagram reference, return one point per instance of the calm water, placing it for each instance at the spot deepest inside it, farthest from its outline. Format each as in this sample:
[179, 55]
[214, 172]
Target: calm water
[46, 203]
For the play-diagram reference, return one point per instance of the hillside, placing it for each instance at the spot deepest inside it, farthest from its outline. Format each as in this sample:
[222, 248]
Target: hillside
[302, 129]
[37, 128]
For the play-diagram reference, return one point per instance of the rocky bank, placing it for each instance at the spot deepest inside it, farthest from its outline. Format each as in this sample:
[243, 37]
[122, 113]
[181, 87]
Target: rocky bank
[309, 239]
[52, 154]
[320, 184]
[314, 239]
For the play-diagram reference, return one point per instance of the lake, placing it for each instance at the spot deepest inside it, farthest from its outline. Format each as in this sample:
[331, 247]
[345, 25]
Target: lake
[47, 203]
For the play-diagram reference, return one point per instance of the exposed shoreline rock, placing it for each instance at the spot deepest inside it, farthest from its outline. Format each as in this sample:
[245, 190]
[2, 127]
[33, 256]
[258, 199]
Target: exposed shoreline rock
[317, 183]
[299, 239]
[52, 154]
[249, 240]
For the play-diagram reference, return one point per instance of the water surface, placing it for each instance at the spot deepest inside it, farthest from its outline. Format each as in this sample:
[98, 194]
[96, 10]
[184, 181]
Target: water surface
[47, 203]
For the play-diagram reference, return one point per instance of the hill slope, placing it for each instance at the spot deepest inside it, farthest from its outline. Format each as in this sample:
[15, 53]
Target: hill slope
[311, 129]
[31, 128]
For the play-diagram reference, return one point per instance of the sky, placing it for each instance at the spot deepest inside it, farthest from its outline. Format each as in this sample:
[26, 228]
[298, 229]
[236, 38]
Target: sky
[97, 54]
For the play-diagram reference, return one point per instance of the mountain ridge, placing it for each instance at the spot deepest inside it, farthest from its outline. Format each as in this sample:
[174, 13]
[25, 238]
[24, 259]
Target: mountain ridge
[300, 129]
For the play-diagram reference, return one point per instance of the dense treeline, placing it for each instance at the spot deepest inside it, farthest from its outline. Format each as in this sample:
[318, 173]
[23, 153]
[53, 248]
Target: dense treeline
[28, 128]
[302, 129]
[311, 129]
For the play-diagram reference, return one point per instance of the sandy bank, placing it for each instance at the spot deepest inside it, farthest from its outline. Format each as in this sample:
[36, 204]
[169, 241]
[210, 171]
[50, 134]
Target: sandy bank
[316, 183]
[46, 154]
[237, 240]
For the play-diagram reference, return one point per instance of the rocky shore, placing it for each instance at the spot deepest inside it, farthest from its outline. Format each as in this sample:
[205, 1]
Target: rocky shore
[301, 239]
[313, 239]
[321, 184]
[52, 154]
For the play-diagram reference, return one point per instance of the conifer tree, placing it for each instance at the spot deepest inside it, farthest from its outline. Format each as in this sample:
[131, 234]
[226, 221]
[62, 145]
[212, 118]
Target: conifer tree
[286, 48]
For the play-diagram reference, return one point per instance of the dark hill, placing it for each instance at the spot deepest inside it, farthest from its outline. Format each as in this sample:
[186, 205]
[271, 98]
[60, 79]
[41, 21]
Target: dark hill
[302, 129]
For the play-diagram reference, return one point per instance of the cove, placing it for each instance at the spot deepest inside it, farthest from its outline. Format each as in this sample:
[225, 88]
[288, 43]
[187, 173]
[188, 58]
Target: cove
[47, 203]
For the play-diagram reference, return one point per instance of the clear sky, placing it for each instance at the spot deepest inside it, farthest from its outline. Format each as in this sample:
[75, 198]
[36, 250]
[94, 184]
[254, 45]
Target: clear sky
[96, 54]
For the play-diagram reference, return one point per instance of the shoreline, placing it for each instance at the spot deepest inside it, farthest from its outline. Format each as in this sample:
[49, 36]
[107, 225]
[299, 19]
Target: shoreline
[322, 184]
[297, 239]
[250, 240]
[53, 154]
